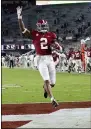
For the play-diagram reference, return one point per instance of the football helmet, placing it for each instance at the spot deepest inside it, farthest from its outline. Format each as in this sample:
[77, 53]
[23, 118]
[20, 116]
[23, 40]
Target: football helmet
[42, 26]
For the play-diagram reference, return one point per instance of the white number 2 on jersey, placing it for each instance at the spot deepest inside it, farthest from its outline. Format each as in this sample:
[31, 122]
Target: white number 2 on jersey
[43, 43]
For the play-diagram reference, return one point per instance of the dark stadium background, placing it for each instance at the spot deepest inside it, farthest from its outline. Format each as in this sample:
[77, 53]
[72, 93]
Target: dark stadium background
[71, 23]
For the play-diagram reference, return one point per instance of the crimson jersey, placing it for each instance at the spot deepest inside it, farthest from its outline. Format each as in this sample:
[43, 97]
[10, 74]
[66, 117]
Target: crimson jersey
[89, 52]
[42, 42]
[55, 56]
[71, 54]
[77, 55]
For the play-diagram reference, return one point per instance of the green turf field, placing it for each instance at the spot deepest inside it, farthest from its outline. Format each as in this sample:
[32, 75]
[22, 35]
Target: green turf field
[26, 86]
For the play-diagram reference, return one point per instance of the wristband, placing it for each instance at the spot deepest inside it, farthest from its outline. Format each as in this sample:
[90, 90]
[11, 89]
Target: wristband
[19, 17]
[24, 30]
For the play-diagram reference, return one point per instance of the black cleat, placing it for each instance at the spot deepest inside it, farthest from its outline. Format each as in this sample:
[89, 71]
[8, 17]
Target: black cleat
[54, 103]
[45, 94]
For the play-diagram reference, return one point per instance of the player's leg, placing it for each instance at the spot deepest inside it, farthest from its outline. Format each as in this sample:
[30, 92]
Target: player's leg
[76, 65]
[10, 64]
[73, 65]
[60, 65]
[69, 66]
[78, 70]
[52, 75]
[35, 62]
[89, 64]
[80, 66]
[43, 69]
[32, 64]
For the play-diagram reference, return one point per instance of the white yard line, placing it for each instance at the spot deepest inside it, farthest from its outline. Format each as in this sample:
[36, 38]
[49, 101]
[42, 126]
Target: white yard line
[4, 86]
[63, 118]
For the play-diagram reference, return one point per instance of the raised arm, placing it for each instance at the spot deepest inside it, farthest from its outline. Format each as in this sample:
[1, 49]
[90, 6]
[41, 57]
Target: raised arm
[24, 30]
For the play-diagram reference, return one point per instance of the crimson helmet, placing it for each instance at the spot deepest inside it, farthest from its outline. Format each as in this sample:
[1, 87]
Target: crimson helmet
[42, 26]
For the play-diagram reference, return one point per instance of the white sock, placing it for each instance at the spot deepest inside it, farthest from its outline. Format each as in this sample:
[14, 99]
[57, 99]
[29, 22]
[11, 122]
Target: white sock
[52, 98]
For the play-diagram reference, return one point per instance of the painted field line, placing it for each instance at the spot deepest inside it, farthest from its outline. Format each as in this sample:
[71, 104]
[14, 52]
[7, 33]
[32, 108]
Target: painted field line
[11, 85]
[56, 90]
[3, 88]
[25, 117]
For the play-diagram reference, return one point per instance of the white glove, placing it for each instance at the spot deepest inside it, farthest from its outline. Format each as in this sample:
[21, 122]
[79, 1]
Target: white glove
[19, 11]
[82, 41]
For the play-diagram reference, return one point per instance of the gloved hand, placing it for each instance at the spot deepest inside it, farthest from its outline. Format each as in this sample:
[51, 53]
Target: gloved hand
[19, 11]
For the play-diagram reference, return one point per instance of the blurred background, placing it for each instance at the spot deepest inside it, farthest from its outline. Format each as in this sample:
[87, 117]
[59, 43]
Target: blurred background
[71, 22]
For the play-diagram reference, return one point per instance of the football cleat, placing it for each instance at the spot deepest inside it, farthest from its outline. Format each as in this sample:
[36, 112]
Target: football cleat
[54, 103]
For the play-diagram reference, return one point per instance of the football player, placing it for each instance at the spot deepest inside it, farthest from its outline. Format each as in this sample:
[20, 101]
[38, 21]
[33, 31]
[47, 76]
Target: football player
[88, 61]
[78, 62]
[71, 62]
[43, 41]
[63, 61]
